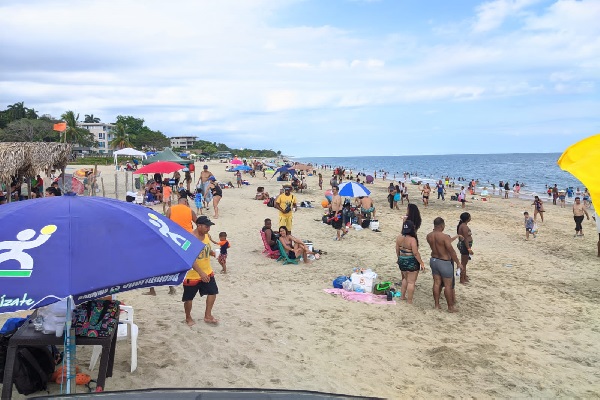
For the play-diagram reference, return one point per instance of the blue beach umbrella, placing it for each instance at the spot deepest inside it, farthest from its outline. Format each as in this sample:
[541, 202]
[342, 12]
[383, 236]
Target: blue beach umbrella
[242, 168]
[86, 247]
[353, 189]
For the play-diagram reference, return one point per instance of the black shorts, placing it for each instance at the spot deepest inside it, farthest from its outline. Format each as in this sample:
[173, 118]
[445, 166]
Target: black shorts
[337, 224]
[204, 288]
[291, 255]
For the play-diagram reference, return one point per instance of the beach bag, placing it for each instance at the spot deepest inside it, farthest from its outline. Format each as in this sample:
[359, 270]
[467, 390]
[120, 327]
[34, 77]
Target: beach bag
[374, 224]
[365, 223]
[338, 282]
[382, 287]
[96, 318]
[271, 202]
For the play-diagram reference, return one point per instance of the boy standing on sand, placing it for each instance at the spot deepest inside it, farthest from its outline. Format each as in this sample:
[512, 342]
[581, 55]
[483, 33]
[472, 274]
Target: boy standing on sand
[529, 225]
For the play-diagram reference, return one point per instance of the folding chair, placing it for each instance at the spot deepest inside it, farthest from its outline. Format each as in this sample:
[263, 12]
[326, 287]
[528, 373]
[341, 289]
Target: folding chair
[274, 254]
[283, 255]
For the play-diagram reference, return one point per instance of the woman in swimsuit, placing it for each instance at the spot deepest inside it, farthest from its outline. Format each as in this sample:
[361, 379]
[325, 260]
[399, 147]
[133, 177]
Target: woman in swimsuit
[465, 245]
[539, 208]
[409, 260]
[216, 192]
[396, 196]
[414, 215]
[294, 247]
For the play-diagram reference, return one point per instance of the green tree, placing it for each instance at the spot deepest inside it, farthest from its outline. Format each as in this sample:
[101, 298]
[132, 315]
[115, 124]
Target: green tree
[121, 138]
[90, 119]
[17, 111]
[74, 134]
[147, 138]
[29, 130]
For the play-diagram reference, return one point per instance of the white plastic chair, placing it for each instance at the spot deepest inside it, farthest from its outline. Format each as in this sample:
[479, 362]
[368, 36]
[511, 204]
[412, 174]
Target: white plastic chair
[126, 329]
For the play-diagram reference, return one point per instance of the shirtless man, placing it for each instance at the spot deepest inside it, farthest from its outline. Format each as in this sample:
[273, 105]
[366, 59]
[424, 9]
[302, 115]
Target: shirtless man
[367, 207]
[442, 268]
[204, 175]
[578, 211]
[336, 210]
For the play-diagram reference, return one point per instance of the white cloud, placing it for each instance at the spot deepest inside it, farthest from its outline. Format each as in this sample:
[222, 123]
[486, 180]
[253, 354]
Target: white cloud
[492, 14]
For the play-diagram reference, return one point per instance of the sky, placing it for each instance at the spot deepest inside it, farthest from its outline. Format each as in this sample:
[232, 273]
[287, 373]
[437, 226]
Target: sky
[316, 77]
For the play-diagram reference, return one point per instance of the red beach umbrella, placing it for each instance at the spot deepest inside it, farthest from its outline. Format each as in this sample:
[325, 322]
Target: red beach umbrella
[161, 167]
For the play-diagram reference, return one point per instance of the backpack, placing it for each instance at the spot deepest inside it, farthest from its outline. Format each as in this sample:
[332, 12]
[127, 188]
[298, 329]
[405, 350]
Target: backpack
[271, 202]
[33, 367]
[10, 327]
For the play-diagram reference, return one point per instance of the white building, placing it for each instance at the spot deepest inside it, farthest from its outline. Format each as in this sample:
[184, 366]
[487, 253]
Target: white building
[102, 134]
[183, 142]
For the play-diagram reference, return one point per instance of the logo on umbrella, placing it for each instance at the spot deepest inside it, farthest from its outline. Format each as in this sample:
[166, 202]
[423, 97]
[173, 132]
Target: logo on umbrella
[164, 230]
[16, 251]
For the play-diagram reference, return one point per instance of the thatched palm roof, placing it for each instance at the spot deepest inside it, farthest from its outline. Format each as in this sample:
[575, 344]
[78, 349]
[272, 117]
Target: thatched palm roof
[31, 158]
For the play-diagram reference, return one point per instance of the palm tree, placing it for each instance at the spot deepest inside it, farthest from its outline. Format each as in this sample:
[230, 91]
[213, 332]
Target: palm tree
[89, 118]
[121, 138]
[31, 113]
[17, 111]
[73, 133]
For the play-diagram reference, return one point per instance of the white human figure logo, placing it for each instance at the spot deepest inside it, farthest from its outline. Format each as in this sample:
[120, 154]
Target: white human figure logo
[24, 242]
[164, 230]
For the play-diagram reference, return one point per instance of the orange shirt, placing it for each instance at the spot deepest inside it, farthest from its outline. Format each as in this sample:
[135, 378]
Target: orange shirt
[182, 215]
[167, 193]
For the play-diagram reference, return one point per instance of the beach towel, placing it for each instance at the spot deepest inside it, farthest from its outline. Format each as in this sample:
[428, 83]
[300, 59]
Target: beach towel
[360, 297]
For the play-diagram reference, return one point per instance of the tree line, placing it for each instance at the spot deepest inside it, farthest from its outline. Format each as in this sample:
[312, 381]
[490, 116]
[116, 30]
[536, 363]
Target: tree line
[22, 124]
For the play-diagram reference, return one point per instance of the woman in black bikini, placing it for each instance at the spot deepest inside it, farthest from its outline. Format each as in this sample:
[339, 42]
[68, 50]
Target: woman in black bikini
[465, 245]
[539, 208]
[216, 192]
[409, 260]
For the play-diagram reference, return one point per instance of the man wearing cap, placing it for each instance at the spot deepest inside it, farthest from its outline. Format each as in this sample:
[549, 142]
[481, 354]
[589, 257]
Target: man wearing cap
[286, 203]
[201, 278]
[203, 182]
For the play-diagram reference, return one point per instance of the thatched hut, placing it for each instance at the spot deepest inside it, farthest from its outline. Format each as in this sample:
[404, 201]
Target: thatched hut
[27, 159]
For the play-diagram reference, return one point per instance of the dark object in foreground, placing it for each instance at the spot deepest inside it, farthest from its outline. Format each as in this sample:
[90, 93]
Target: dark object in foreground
[199, 394]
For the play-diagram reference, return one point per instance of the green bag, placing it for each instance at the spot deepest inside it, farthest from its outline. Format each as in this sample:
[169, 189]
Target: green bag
[382, 287]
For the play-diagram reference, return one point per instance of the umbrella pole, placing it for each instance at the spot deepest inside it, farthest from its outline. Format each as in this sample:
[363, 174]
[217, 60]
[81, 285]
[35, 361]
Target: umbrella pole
[70, 348]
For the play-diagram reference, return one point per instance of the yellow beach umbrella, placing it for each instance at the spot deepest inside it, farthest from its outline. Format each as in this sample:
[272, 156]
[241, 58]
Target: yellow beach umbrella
[582, 160]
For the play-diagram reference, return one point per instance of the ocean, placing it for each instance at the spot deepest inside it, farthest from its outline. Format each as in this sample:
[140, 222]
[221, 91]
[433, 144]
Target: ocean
[535, 170]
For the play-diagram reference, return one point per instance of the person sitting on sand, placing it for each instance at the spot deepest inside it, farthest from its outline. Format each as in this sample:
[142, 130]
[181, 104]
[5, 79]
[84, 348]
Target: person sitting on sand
[201, 278]
[294, 247]
[409, 260]
[442, 268]
[261, 194]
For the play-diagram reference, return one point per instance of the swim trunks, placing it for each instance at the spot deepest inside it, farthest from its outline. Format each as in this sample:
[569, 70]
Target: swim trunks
[443, 268]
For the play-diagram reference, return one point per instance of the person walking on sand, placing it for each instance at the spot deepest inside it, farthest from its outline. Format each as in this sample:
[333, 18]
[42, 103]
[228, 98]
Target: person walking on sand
[463, 196]
[465, 245]
[538, 209]
[529, 226]
[554, 194]
[320, 181]
[203, 185]
[440, 190]
[201, 278]
[579, 210]
[409, 260]
[426, 191]
[216, 193]
[184, 216]
[441, 264]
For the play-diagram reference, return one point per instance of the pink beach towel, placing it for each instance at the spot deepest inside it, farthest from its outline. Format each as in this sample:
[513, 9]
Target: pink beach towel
[369, 298]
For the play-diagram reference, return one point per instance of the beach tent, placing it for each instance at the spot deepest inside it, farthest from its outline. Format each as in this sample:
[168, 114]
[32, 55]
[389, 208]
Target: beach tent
[128, 151]
[166, 155]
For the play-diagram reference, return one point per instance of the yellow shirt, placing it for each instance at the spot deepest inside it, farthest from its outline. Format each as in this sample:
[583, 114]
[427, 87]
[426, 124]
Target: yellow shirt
[284, 201]
[202, 261]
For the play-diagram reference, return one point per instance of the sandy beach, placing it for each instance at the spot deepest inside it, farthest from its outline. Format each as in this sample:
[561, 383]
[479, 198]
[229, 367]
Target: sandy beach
[528, 322]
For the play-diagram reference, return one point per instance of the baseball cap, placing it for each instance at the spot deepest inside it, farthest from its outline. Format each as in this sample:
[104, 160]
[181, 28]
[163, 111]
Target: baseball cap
[203, 220]
[205, 167]
[408, 227]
